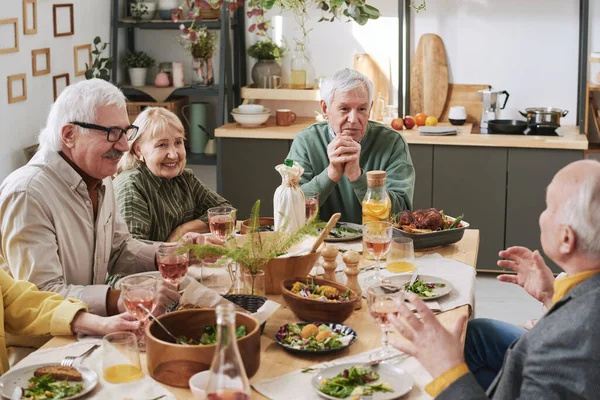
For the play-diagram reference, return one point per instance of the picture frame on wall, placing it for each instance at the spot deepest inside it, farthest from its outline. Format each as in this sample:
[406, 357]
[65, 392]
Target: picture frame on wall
[59, 83]
[36, 64]
[13, 81]
[63, 20]
[29, 17]
[9, 38]
[82, 55]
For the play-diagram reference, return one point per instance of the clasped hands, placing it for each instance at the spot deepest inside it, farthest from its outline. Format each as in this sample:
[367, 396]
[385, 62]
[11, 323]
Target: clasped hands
[344, 156]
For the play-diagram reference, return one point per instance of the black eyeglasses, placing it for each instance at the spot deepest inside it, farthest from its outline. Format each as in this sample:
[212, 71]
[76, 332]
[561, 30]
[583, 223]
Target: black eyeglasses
[113, 133]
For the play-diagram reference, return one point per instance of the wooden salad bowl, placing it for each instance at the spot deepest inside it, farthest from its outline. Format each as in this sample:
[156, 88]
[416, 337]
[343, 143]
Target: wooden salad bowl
[262, 221]
[174, 364]
[279, 269]
[316, 310]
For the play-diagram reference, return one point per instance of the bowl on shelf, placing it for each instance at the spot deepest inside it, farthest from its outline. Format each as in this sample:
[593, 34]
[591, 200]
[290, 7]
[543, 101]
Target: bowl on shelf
[251, 108]
[265, 224]
[315, 310]
[256, 119]
[174, 364]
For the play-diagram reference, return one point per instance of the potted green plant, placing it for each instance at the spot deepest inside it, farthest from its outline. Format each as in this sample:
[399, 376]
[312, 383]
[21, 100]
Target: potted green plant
[200, 43]
[142, 9]
[267, 53]
[137, 63]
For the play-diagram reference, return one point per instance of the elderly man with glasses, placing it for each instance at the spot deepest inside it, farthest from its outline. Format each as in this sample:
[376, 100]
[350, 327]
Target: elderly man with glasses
[60, 225]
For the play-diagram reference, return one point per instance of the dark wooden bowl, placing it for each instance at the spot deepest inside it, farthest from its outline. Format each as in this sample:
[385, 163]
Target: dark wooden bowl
[264, 221]
[315, 310]
[174, 364]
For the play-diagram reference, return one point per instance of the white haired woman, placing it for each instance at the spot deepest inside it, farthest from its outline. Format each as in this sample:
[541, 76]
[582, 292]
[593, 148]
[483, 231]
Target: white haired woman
[335, 153]
[157, 197]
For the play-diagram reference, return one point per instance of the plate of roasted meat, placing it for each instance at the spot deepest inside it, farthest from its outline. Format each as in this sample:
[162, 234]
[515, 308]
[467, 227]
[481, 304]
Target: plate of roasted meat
[429, 227]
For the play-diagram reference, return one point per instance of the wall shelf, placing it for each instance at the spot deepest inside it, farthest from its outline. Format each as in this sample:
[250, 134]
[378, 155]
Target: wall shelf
[166, 24]
[284, 93]
[212, 90]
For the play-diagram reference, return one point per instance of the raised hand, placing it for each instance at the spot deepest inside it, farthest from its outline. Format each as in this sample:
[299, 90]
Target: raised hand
[352, 166]
[340, 151]
[533, 274]
[435, 347]
[91, 324]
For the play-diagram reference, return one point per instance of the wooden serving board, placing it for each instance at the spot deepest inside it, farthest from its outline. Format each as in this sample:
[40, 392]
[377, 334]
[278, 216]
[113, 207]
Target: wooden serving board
[366, 64]
[466, 96]
[429, 77]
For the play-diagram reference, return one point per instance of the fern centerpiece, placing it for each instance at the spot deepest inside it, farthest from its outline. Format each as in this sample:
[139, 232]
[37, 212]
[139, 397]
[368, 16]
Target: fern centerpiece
[259, 247]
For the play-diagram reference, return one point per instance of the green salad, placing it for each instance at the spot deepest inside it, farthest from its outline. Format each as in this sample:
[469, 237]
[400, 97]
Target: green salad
[209, 336]
[340, 231]
[312, 337]
[422, 288]
[46, 387]
[355, 381]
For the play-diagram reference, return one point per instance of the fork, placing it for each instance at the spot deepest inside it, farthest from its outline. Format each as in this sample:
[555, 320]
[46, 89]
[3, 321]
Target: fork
[69, 360]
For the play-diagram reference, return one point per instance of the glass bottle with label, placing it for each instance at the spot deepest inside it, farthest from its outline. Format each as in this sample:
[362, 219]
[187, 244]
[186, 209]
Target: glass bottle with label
[376, 206]
[299, 67]
[227, 380]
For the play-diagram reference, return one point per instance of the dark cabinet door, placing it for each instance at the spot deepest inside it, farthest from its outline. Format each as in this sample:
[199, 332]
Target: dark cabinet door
[530, 171]
[471, 181]
[246, 172]
[422, 158]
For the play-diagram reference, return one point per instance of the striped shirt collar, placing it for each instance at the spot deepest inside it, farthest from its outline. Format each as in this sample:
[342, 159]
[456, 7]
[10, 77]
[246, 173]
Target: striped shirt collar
[155, 181]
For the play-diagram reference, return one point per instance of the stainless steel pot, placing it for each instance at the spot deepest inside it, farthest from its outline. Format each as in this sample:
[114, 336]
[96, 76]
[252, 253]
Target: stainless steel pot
[543, 116]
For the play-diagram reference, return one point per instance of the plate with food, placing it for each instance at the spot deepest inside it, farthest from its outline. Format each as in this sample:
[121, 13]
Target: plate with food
[348, 381]
[344, 232]
[49, 381]
[426, 287]
[315, 337]
[429, 227]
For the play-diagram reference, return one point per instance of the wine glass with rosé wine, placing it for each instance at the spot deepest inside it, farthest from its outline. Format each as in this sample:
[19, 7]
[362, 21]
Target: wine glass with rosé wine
[377, 236]
[311, 204]
[136, 291]
[221, 221]
[172, 262]
[381, 300]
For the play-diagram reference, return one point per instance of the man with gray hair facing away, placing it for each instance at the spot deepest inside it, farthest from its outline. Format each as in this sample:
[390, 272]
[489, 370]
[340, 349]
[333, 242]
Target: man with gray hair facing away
[336, 153]
[60, 227]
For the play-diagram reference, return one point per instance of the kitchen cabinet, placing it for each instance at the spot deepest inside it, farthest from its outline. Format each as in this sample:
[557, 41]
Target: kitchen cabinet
[422, 158]
[529, 173]
[471, 181]
[249, 168]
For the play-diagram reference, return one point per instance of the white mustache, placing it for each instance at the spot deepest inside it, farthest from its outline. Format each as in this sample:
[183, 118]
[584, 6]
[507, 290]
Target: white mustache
[113, 154]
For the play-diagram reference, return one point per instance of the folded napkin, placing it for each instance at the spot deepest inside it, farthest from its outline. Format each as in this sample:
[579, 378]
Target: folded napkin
[297, 385]
[199, 295]
[144, 388]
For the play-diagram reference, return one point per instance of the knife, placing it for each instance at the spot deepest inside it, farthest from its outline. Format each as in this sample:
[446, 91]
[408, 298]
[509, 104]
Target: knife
[17, 394]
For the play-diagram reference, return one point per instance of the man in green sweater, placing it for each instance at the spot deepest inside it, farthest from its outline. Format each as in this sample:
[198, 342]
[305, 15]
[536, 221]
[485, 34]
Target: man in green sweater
[336, 153]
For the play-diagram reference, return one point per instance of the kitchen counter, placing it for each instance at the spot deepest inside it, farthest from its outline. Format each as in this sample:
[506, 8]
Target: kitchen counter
[571, 139]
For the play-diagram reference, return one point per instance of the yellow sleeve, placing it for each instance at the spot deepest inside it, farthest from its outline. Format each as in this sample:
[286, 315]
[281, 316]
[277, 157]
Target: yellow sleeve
[27, 311]
[439, 384]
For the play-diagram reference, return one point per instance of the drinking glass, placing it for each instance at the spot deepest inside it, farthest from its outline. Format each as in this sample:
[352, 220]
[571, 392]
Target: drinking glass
[381, 302]
[120, 358]
[136, 291]
[254, 284]
[377, 236]
[312, 204]
[401, 257]
[222, 221]
[172, 263]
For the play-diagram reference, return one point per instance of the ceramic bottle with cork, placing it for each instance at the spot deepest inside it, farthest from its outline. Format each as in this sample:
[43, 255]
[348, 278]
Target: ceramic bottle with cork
[227, 379]
[376, 205]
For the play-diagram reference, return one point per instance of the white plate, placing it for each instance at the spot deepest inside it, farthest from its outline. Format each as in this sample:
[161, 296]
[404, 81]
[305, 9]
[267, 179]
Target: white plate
[397, 378]
[186, 280]
[437, 292]
[20, 377]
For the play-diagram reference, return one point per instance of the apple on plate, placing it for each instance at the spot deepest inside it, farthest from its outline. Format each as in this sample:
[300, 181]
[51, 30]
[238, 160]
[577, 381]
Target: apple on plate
[409, 122]
[397, 124]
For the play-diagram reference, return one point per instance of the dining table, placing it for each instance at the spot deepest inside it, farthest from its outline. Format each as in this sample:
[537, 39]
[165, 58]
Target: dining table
[275, 361]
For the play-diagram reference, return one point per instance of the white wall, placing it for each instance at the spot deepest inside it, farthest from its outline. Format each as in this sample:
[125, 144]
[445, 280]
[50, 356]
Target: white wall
[20, 123]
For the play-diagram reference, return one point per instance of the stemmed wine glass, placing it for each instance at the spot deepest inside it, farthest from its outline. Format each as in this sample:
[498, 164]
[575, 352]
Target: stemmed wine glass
[311, 200]
[221, 221]
[136, 291]
[172, 262]
[377, 236]
[381, 300]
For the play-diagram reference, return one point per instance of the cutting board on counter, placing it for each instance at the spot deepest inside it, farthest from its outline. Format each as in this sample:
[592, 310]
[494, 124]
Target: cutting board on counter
[366, 64]
[429, 77]
[466, 96]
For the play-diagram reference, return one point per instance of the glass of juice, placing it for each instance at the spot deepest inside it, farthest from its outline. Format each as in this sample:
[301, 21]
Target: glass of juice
[120, 358]
[172, 262]
[401, 257]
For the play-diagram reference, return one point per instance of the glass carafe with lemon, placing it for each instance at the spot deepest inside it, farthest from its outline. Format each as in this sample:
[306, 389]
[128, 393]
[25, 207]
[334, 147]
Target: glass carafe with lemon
[376, 206]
